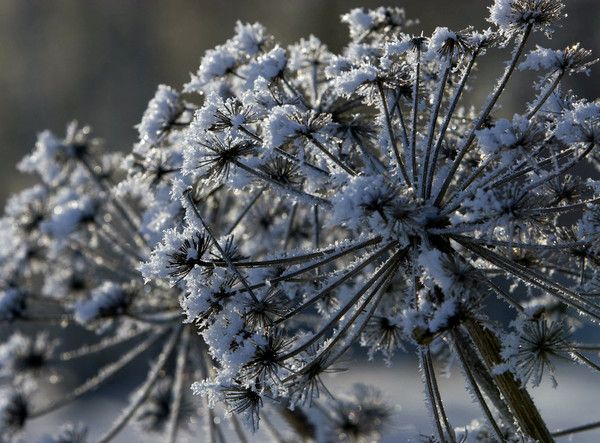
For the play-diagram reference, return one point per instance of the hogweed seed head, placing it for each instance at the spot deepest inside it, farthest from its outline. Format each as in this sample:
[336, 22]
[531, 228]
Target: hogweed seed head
[290, 204]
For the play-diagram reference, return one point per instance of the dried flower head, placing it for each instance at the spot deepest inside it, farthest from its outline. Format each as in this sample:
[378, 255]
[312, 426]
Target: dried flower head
[291, 203]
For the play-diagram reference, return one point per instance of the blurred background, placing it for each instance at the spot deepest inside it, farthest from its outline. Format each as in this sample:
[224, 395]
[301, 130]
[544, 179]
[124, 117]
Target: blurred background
[100, 61]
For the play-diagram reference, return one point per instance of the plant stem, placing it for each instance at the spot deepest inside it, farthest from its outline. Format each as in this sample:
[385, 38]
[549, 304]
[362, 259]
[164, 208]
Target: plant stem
[388, 122]
[517, 398]
[577, 429]
[484, 115]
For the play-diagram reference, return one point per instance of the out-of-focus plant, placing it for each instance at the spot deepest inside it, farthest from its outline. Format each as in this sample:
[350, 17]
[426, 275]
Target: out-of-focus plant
[291, 203]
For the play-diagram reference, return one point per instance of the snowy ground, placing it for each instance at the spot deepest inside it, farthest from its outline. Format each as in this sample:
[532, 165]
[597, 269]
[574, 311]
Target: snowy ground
[573, 402]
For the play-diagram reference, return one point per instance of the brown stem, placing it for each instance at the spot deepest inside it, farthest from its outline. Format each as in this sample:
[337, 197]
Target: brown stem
[518, 399]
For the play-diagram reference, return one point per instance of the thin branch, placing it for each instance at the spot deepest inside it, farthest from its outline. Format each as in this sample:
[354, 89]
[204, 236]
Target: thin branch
[178, 387]
[430, 396]
[241, 216]
[328, 153]
[449, 114]
[144, 390]
[339, 314]
[226, 257]
[432, 122]
[546, 95]
[533, 277]
[577, 429]
[438, 397]
[337, 283]
[465, 147]
[104, 374]
[101, 345]
[390, 129]
[313, 199]
[415, 110]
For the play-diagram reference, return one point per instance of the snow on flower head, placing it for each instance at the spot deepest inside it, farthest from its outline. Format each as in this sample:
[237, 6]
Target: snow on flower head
[581, 124]
[70, 210]
[348, 81]
[444, 42]
[268, 66]
[572, 60]
[510, 15]
[109, 299]
[215, 64]
[362, 22]
[249, 38]
[308, 53]
[359, 21]
[46, 159]
[28, 209]
[25, 355]
[164, 108]
[54, 159]
[282, 125]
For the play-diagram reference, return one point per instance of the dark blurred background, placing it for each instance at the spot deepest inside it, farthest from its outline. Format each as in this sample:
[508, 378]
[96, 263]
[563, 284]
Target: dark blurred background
[99, 61]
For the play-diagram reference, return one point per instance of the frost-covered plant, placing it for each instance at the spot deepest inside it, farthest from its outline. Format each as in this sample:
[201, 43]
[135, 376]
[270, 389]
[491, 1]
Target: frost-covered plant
[71, 251]
[291, 203]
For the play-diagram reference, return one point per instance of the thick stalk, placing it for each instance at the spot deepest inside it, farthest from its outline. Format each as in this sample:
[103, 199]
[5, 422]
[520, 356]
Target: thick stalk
[516, 397]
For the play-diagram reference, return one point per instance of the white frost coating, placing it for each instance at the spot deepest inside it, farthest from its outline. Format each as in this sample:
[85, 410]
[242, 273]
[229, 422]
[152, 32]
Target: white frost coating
[161, 112]
[24, 354]
[108, 298]
[361, 21]
[282, 124]
[249, 38]
[267, 66]
[358, 21]
[578, 123]
[510, 15]
[398, 47]
[160, 261]
[442, 314]
[70, 211]
[349, 81]
[205, 116]
[509, 137]
[438, 39]
[431, 262]
[22, 201]
[284, 214]
[215, 63]
[501, 14]
[43, 159]
[542, 59]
